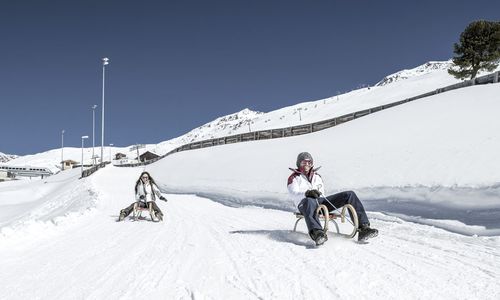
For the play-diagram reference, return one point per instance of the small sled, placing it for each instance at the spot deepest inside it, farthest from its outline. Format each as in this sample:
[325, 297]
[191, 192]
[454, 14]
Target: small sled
[137, 212]
[346, 214]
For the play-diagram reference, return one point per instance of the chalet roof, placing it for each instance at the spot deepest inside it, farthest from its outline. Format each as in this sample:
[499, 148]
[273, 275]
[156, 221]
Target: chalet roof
[70, 161]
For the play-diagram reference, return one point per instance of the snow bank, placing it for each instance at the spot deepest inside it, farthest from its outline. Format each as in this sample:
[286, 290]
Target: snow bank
[33, 206]
[429, 152]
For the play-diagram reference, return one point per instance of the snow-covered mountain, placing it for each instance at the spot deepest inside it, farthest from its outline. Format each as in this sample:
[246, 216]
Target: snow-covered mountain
[426, 68]
[222, 126]
[395, 87]
[6, 157]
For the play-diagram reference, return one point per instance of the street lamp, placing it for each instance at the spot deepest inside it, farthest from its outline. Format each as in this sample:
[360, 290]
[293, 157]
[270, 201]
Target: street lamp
[105, 61]
[62, 150]
[83, 138]
[110, 158]
[93, 133]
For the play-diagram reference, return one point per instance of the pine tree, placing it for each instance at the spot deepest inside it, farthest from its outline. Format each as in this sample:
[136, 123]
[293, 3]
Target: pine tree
[478, 49]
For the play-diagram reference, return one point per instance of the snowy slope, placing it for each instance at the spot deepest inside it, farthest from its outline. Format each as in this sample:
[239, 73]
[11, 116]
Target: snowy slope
[204, 250]
[426, 68]
[34, 205]
[6, 157]
[419, 168]
[395, 87]
[440, 155]
[52, 159]
[222, 126]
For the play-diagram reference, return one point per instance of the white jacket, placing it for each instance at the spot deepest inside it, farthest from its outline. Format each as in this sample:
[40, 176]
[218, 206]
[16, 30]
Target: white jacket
[147, 190]
[299, 183]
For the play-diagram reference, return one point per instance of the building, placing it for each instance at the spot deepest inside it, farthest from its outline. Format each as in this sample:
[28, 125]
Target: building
[119, 156]
[69, 164]
[26, 171]
[148, 156]
[5, 175]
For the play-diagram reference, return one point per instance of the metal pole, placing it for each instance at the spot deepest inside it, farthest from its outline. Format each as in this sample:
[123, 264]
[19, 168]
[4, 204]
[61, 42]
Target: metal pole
[105, 61]
[83, 138]
[110, 158]
[62, 150]
[93, 134]
[102, 115]
[82, 158]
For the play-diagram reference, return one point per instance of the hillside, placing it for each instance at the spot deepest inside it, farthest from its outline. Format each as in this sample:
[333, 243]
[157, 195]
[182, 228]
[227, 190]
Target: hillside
[420, 159]
[6, 157]
[418, 168]
[395, 87]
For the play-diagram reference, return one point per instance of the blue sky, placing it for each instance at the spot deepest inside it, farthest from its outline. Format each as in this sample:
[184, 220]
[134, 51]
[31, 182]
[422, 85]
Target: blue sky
[176, 65]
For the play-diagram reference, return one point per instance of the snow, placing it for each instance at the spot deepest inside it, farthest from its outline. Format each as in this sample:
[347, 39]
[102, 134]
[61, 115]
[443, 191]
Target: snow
[404, 84]
[389, 157]
[205, 250]
[427, 173]
[6, 157]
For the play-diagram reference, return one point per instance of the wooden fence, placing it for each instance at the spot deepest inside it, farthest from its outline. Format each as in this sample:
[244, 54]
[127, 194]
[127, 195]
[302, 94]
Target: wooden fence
[92, 170]
[316, 126]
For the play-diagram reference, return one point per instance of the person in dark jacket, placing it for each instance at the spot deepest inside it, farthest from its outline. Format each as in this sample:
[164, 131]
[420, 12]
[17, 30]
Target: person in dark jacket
[146, 192]
[306, 189]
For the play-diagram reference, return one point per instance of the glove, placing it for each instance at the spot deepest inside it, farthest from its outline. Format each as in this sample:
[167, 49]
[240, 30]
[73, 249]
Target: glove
[142, 197]
[163, 198]
[313, 194]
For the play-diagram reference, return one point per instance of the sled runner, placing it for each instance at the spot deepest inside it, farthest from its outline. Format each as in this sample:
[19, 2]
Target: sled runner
[346, 214]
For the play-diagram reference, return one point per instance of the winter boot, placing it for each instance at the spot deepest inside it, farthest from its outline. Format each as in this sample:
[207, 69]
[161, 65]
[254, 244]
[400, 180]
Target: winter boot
[365, 232]
[318, 236]
[122, 216]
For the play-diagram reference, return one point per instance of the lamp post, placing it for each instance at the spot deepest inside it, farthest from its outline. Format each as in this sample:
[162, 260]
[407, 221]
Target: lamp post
[62, 150]
[105, 61]
[110, 158]
[83, 139]
[93, 133]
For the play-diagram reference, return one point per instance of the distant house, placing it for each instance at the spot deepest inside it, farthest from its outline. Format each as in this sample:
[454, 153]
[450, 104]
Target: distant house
[148, 156]
[5, 175]
[69, 164]
[119, 156]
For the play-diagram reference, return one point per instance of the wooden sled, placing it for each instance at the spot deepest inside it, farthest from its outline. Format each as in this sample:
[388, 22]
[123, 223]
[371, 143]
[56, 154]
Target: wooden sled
[137, 212]
[346, 214]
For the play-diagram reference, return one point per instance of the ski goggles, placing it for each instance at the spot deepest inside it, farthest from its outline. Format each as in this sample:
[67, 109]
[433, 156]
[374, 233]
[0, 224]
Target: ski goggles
[306, 162]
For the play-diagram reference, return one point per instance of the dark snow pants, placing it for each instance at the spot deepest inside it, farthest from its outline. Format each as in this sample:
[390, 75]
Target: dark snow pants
[130, 208]
[308, 206]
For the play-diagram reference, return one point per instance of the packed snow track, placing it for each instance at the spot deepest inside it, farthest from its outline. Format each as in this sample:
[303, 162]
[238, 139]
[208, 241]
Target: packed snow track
[205, 250]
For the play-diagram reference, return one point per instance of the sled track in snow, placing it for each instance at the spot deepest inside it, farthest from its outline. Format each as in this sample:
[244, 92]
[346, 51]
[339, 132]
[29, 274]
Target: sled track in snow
[221, 252]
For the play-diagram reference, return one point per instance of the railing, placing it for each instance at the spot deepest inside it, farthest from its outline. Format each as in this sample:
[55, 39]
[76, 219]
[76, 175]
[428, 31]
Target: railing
[316, 126]
[92, 170]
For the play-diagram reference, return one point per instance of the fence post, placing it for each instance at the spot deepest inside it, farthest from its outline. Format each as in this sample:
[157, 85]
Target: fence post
[495, 77]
